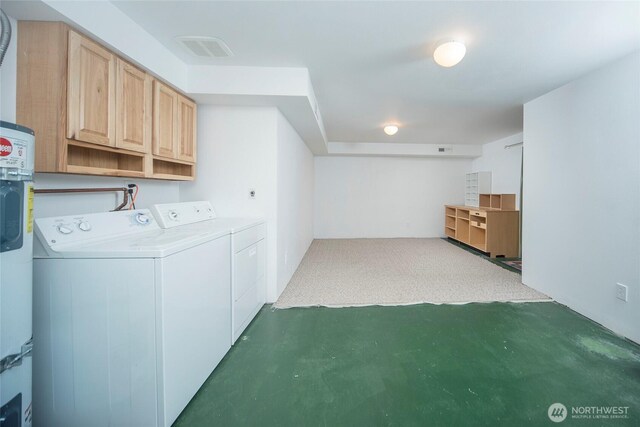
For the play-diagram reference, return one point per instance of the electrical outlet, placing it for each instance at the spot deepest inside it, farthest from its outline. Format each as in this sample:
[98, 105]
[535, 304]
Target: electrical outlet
[621, 291]
[252, 193]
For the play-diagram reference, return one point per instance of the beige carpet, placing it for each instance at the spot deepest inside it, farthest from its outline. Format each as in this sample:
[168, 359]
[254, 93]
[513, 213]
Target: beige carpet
[352, 272]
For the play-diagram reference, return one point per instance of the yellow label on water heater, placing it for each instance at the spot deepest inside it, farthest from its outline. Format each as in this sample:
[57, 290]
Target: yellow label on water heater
[29, 208]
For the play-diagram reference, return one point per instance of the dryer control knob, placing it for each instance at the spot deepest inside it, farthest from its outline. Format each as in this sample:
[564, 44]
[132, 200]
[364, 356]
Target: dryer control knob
[173, 215]
[143, 219]
[84, 226]
[63, 229]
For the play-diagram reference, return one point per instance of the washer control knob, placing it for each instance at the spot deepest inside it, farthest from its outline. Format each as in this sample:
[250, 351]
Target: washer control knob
[173, 215]
[143, 219]
[63, 229]
[84, 226]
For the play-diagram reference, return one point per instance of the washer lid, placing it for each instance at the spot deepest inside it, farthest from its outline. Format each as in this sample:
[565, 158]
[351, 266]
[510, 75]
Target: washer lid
[121, 234]
[156, 243]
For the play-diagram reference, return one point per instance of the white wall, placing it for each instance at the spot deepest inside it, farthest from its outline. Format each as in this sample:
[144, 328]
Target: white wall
[243, 148]
[581, 231]
[295, 200]
[237, 152]
[367, 197]
[504, 165]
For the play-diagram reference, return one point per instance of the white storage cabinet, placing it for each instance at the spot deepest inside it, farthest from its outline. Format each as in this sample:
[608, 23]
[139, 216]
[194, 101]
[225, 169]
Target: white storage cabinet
[476, 183]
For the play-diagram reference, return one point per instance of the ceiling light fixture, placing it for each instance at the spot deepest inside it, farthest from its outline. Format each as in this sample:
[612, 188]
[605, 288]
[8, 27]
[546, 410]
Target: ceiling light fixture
[449, 53]
[391, 129]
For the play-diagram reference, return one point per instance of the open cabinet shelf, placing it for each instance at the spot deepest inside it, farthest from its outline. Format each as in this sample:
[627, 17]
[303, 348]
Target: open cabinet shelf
[478, 238]
[84, 158]
[462, 229]
[505, 202]
[450, 222]
[169, 169]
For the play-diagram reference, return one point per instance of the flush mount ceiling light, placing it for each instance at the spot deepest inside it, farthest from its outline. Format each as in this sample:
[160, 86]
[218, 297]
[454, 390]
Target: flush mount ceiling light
[391, 129]
[449, 53]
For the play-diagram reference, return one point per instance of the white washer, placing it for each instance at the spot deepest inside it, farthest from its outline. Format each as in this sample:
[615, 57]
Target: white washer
[129, 320]
[248, 255]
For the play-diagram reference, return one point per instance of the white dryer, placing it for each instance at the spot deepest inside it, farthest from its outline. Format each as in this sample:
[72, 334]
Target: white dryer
[129, 319]
[248, 255]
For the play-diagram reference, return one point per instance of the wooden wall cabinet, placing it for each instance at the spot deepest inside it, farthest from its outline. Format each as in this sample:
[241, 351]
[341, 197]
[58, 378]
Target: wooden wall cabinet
[174, 118]
[133, 108]
[91, 103]
[186, 129]
[165, 121]
[95, 113]
[174, 133]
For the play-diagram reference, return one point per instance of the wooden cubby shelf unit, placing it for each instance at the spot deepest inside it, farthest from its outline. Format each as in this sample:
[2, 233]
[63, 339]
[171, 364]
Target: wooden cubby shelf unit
[493, 231]
[505, 202]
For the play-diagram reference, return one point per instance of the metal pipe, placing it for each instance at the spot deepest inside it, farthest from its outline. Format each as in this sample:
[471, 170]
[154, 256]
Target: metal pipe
[77, 190]
[125, 192]
[125, 200]
[5, 36]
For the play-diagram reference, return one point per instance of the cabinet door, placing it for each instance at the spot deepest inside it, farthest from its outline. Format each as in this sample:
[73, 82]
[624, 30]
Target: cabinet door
[90, 92]
[133, 108]
[187, 129]
[165, 120]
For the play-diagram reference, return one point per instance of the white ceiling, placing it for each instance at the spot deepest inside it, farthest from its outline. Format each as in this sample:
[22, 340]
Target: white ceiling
[370, 62]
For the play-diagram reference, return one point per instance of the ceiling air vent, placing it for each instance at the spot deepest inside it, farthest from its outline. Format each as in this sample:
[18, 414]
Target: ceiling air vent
[205, 47]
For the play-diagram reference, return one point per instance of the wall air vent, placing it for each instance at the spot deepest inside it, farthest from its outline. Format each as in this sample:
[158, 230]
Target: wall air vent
[205, 47]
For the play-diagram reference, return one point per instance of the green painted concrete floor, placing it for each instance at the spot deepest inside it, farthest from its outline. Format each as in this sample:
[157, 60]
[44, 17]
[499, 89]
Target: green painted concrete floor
[464, 365]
